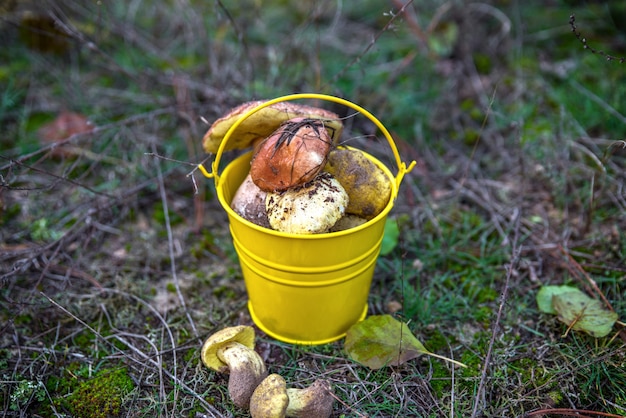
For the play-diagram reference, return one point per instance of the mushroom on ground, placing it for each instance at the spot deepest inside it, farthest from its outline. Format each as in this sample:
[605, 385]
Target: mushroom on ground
[310, 209]
[292, 155]
[316, 401]
[270, 399]
[231, 350]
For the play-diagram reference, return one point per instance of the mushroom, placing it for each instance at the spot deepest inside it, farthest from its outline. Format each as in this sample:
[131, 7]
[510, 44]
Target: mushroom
[262, 123]
[249, 203]
[272, 399]
[291, 156]
[316, 401]
[231, 350]
[347, 221]
[368, 188]
[310, 209]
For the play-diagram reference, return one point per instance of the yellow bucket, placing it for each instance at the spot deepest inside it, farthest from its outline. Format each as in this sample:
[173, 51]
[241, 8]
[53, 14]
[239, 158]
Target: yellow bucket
[304, 289]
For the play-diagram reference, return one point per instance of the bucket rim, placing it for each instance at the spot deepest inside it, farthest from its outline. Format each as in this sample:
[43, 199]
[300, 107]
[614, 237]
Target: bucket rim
[327, 235]
[403, 168]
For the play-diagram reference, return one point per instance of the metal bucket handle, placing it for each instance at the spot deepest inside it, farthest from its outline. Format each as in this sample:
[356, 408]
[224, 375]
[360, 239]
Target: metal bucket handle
[402, 167]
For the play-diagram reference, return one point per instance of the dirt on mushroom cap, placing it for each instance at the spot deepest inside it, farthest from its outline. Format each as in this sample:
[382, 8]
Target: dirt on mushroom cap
[292, 155]
[311, 209]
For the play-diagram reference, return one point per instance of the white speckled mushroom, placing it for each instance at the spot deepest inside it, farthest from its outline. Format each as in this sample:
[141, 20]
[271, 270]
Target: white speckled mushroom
[310, 209]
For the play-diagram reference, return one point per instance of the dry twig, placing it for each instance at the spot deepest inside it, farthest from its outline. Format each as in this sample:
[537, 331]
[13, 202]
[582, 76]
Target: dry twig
[583, 40]
[515, 257]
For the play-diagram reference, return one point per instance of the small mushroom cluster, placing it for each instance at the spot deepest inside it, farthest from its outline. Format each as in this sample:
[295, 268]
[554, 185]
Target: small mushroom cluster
[300, 181]
[231, 351]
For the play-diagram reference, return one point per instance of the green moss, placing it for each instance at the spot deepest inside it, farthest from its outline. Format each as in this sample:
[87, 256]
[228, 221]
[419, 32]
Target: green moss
[440, 381]
[473, 363]
[9, 213]
[529, 371]
[471, 136]
[483, 63]
[159, 216]
[67, 379]
[205, 243]
[4, 357]
[23, 319]
[84, 340]
[437, 341]
[556, 397]
[191, 355]
[482, 314]
[224, 292]
[101, 396]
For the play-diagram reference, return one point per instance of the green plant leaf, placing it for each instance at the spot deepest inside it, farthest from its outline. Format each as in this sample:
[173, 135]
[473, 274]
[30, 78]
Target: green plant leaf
[545, 294]
[442, 40]
[390, 237]
[582, 313]
[381, 340]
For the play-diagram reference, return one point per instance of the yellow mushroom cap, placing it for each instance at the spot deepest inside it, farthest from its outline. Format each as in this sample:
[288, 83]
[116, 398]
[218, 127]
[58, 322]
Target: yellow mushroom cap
[241, 334]
[270, 399]
[262, 123]
[368, 188]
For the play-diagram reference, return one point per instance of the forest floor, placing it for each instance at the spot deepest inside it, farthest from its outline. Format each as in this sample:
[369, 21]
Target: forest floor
[116, 260]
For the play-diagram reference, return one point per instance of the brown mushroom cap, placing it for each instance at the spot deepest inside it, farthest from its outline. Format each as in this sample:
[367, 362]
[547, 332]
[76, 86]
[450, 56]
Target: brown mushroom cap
[270, 399]
[262, 123]
[292, 155]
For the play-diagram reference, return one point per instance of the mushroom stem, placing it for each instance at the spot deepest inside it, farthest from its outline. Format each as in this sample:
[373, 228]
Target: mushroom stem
[247, 370]
[231, 350]
[316, 401]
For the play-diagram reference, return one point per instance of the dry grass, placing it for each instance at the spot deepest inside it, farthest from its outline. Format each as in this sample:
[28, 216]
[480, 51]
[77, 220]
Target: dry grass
[115, 254]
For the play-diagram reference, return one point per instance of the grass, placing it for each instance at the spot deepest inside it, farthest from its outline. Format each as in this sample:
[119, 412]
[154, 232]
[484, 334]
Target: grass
[116, 264]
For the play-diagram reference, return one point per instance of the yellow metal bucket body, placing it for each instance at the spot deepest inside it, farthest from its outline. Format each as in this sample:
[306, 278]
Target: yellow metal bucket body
[305, 289]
